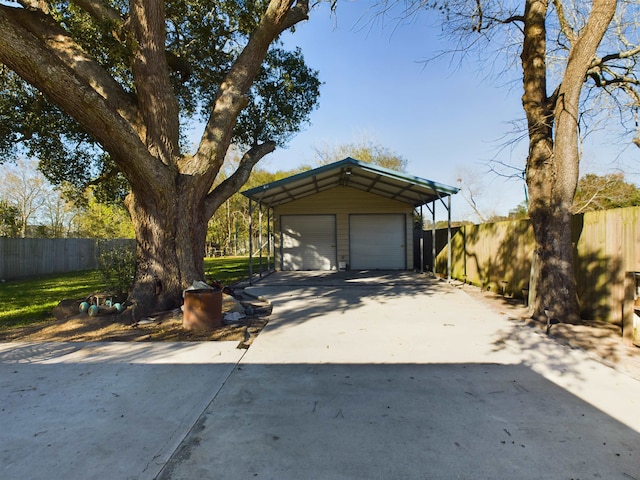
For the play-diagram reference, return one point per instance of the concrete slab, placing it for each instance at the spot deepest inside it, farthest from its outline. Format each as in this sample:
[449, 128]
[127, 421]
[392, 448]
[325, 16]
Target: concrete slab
[410, 421]
[356, 376]
[412, 380]
[103, 410]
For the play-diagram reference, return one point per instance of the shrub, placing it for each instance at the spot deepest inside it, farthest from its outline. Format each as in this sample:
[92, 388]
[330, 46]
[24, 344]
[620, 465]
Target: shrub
[117, 265]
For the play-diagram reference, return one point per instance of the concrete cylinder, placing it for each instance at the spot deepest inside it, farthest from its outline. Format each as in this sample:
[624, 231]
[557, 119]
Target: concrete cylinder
[202, 309]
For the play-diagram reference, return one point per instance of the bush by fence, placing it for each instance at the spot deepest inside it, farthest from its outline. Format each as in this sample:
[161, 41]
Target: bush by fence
[30, 257]
[498, 255]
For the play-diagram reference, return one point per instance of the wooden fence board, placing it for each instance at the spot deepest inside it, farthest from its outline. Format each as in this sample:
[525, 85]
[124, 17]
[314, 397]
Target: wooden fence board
[498, 255]
[31, 257]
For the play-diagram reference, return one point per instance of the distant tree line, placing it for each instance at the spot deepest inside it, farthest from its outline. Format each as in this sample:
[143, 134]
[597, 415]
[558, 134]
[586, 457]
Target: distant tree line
[594, 192]
[30, 207]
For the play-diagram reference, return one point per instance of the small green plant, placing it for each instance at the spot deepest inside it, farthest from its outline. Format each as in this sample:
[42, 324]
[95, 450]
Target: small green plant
[117, 266]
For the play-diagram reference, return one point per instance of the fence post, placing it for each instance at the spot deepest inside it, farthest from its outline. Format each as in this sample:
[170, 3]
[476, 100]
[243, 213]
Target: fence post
[449, 256]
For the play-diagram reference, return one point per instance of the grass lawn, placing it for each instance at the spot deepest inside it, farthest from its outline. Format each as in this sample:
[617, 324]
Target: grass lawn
[26, 302]
[30, 301]
[227, 270]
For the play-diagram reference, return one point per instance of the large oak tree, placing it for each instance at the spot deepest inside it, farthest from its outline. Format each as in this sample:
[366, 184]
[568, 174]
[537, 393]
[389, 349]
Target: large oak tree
[101, 91]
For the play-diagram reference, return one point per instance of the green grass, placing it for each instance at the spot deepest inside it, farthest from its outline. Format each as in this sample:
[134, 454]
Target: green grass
[31, 301]
[26, 302]
[227, 270]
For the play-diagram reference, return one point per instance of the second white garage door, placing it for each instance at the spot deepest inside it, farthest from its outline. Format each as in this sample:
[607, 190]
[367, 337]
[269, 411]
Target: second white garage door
[377, 242]
[308, 242]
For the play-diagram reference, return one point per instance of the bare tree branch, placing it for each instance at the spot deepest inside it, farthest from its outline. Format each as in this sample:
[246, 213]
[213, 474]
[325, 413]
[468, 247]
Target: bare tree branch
[565, 26]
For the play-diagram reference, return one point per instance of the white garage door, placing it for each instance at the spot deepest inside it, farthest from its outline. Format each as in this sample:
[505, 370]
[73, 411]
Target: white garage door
[377, 242]
[308, 242]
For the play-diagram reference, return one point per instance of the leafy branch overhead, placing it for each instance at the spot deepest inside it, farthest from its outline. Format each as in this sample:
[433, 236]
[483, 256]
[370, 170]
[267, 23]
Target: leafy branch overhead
[93, 46]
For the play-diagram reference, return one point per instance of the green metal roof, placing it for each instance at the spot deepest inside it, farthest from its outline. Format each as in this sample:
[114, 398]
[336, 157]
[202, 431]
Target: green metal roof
[354, 174]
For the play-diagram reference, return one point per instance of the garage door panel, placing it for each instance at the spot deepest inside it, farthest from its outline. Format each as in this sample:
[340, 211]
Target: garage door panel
[377, 241]
[308, 242]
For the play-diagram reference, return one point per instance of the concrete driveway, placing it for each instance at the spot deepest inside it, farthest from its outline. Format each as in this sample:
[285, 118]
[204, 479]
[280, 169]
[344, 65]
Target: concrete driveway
[356, 376]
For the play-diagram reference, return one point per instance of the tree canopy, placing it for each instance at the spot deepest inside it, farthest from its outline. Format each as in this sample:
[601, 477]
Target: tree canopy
[107, 91]
[203, 40]
[601, 192]
[9, 219]
[366, 150]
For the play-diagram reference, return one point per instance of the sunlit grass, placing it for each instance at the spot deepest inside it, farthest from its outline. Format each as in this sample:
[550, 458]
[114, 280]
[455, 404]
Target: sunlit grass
[26, 302]
[31, 301]
[227, 270]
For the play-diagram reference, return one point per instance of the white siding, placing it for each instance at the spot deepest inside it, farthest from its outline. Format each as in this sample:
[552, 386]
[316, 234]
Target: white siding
[308, 242]
[377, 241]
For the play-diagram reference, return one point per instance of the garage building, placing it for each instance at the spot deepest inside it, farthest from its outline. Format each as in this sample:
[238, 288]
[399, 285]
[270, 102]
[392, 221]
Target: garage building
[348, 215]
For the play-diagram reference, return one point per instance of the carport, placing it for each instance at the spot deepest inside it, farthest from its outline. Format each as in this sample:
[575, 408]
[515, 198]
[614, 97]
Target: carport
[345, 215]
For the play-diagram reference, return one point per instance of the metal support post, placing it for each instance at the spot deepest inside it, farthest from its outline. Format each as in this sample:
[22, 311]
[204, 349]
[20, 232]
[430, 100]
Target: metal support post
[260, 242]
[449, 238]
[421, 241]
[433, 238]
[250, 242]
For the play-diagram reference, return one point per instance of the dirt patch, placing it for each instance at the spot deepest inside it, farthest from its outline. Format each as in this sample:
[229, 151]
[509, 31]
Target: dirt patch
[602, 341]
[159, 327]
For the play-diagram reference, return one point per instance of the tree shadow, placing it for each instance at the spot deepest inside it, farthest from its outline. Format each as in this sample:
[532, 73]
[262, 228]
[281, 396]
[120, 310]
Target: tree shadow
[403, 421]
[497, 257]
[528, 414]
[340, 292]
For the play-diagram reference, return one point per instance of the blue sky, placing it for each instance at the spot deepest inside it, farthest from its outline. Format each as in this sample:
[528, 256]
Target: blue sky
[446, 117]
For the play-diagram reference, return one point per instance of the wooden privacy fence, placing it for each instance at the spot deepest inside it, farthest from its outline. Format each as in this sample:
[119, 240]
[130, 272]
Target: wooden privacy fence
[30, 257]
[497, 256]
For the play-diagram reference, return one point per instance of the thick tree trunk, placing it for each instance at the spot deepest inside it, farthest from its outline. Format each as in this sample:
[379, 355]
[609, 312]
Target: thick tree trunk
[170, 232]
[553, 162]
[171, 229]
[554, 281]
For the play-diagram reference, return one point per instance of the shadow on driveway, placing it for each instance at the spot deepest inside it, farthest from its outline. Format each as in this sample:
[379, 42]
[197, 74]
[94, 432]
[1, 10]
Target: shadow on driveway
[451, 421]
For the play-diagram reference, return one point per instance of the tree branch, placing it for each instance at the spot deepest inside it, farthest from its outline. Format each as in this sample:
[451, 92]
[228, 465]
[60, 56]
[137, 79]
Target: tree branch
[30, 58]
[230, 100]
[600, 81]
[156, 98]
[615, 56]
[35, 5]
[586, 204]
[101, 11]
[232, 184]
[65, 49]
[565, 26]
[513, 19]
